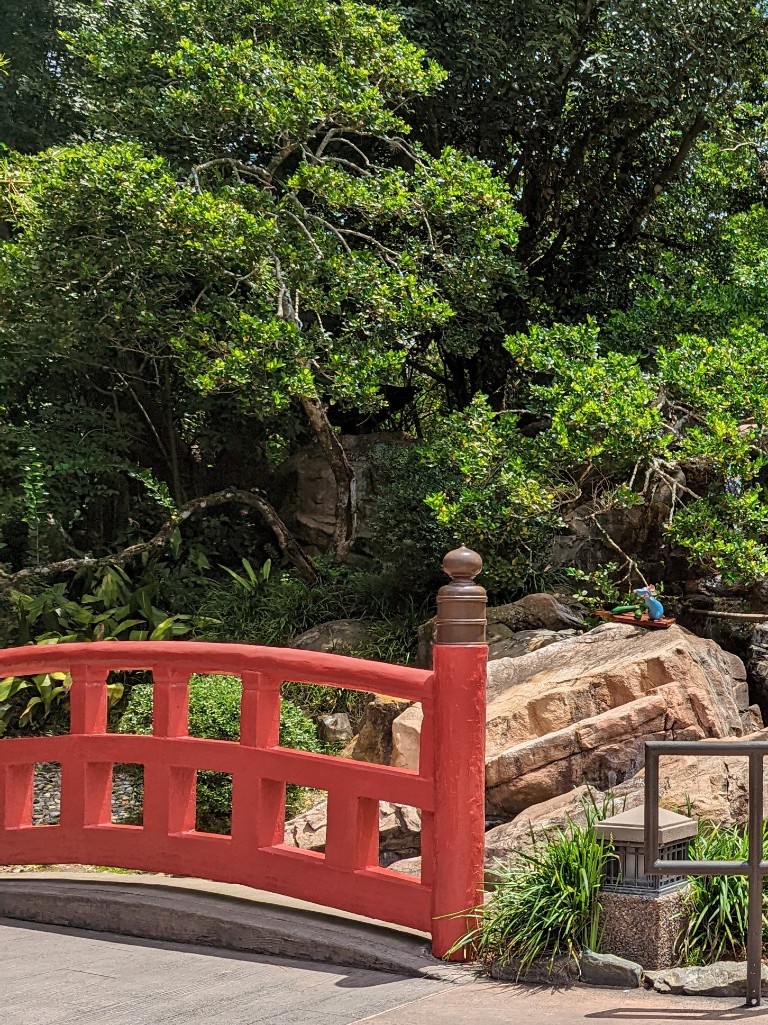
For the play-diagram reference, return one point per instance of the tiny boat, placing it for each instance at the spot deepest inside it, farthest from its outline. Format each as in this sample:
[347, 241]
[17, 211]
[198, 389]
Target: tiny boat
[632, 620]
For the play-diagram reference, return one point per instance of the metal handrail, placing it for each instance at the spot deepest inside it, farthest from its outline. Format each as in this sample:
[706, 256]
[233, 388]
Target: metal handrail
[754, 868]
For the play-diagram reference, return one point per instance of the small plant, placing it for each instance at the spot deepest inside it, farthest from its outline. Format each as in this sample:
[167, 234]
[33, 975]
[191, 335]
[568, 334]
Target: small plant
[253, 580]
[546, 902]
[214, 713]
[716, 907]
[115, 610]
[599, 589]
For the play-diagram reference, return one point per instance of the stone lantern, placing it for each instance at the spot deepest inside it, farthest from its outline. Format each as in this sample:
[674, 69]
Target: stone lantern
[642, 914]
[625, 872]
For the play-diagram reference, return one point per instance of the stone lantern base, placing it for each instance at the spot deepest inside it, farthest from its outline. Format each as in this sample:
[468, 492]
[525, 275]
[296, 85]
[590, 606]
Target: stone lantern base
[642, 928]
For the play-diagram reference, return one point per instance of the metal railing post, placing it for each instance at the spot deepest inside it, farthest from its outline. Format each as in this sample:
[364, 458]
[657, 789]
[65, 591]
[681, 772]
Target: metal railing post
[755, 910]
[754, 868]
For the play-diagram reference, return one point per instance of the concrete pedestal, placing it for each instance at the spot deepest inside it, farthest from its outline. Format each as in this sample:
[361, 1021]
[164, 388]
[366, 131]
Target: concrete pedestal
[642, 928]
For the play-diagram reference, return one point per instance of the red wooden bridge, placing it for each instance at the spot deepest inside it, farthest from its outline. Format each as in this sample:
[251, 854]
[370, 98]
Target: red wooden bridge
[448, 787]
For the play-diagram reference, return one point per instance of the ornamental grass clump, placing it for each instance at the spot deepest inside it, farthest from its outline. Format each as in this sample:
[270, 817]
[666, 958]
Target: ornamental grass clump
[546, 902]
[715, 908]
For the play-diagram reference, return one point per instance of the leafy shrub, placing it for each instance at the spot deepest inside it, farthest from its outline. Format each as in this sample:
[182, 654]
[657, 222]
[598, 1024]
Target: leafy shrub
[473, 481]
[262, 608]
[273, 609]
[546, 902]
[214, 713]
[716, 907]
[114, 610]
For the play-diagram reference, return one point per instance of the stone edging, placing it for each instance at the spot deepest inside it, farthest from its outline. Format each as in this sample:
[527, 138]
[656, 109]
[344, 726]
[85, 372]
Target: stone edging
[219, 915]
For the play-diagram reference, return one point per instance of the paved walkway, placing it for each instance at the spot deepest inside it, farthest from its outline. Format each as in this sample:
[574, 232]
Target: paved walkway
[52, 976]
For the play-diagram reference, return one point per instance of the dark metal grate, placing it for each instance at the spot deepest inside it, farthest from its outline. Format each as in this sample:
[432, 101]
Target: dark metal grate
[626, 871]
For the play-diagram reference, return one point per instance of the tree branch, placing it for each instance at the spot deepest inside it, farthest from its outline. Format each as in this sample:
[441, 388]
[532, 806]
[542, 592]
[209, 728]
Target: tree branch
[287, 543]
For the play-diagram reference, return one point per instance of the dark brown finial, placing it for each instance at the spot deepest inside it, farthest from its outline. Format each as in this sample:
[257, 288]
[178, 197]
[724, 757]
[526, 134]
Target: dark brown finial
[461, 604]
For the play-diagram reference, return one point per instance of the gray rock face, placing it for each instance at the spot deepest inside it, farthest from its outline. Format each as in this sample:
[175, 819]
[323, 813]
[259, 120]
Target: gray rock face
[722, 979]
[503, 643]
[341, 635]
[757, 664]
[335, 728]
[306, 490]
[609, 970]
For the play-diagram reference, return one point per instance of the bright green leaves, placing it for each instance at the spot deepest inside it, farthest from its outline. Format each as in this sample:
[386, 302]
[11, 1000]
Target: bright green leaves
[49, 690]
[605, 410]
[288, 242]
[727, 534]
[239, 75]
[494, 498]
[602, 406]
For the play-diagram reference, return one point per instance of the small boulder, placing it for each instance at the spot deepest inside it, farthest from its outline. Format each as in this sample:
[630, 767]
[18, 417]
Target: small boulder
[408, 866]
[721, 979]
[344, 636]
[335, 728]
[609, 970]
[562, 970]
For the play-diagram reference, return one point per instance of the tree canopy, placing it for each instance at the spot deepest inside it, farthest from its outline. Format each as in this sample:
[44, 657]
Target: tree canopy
[529, 236]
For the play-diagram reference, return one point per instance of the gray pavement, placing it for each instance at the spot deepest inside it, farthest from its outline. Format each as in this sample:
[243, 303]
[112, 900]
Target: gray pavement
[57, 976]
[54, 976]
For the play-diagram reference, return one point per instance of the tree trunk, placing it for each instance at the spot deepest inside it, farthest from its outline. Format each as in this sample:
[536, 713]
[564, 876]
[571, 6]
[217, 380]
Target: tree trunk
[345, 529]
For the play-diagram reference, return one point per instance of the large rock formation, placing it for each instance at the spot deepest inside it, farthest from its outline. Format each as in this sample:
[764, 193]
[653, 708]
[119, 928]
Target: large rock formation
[713, 789]
[577, 712]
[582, 710]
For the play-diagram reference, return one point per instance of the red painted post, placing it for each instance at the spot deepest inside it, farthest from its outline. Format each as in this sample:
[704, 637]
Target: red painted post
[16, 796]
[169, 790]
[459, 662]
[258, 805]
[86, 786]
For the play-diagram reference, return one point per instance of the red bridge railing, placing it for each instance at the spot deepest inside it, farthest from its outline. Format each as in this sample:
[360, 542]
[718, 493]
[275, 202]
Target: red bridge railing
[448, 787]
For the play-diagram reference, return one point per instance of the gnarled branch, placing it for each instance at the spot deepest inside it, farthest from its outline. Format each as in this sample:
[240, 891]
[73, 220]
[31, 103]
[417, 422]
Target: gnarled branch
[287, 543]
